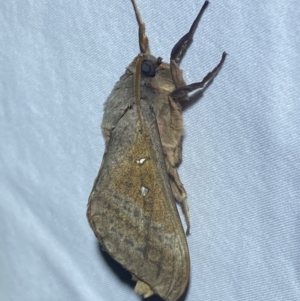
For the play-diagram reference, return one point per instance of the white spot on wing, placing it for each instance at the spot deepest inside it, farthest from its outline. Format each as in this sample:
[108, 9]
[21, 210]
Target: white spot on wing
[141, 161]
[144, 190]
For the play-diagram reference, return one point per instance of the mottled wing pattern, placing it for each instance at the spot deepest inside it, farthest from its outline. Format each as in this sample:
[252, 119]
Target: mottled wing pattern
[135, 217]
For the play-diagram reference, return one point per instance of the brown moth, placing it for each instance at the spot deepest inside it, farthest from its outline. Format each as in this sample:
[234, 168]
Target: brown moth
[132, 208]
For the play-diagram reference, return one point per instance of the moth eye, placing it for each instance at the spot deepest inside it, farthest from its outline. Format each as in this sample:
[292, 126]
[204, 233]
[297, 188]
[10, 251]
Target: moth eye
[148, 68]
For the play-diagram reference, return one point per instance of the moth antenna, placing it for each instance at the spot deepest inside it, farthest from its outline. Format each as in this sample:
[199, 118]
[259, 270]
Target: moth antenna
[181, 45]
[137, 87]
[143, 39]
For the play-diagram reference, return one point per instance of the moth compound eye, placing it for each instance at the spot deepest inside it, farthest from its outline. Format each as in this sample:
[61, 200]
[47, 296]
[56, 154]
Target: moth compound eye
[148, 68]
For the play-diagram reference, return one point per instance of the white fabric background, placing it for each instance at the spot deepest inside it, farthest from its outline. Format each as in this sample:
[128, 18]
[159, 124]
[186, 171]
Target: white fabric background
[241, 157]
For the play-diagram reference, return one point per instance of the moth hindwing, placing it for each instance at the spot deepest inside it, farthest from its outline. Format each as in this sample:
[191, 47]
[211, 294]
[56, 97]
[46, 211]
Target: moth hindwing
[132, 208]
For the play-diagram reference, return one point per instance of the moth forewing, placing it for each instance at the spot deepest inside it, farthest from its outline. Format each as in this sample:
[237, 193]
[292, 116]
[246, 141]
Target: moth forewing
[135, 217]
[132, 208]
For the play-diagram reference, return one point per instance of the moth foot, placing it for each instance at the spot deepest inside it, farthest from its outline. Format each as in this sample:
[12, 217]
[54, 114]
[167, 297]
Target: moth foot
[142, 288]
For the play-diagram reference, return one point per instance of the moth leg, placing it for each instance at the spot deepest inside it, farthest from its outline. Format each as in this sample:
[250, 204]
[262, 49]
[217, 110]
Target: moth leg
[179, 192]
[181, 92]
[143, 39]
[180, 47]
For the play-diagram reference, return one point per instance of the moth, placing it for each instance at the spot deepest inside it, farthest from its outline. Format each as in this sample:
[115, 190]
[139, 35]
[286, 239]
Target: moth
[132, 208]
